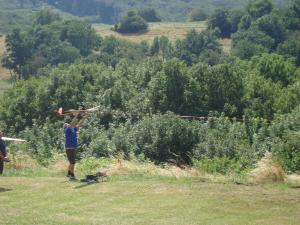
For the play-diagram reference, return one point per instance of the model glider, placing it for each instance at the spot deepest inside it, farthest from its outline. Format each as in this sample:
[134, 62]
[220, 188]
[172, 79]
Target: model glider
[61, 111]
[13, 139]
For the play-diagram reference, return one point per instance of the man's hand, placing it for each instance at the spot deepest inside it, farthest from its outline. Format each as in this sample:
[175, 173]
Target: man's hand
[4, 158]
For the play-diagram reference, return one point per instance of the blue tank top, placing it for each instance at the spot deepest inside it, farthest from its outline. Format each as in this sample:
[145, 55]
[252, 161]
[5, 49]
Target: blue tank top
[71, 137]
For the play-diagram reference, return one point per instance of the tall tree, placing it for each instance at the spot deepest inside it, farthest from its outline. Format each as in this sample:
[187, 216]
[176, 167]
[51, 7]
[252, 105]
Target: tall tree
[259, 8]
[18, 51]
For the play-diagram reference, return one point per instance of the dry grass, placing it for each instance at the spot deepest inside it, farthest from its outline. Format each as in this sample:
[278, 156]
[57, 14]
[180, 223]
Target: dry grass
[170, 29]
[21, 162]
[226, 44]
[268, 171]
[122, 167]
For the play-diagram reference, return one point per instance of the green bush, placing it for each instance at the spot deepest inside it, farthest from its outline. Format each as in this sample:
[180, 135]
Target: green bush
[131, 23]
[222, 139]
[165, 138]
[197, 15]
[222, 165]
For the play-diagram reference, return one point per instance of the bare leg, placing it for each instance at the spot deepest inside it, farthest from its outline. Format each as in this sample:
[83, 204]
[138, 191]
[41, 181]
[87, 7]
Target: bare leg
[71, 168]
[1, 166]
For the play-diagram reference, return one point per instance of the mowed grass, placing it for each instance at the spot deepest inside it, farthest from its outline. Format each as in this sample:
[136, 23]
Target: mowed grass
[173, 30]
[147, 200]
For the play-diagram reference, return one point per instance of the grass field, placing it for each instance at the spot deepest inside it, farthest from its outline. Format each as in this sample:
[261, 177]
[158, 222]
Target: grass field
[173, 30]
[134, 199]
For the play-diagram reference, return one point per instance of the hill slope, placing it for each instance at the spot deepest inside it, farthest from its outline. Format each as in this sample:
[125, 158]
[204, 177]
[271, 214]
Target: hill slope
[110, 11]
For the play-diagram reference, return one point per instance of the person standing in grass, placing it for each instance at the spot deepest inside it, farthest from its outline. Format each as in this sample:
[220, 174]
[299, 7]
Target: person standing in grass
[3, 154]
[71, 143]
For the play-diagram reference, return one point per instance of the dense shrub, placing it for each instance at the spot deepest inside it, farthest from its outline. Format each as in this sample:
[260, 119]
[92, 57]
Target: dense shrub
[131, 23]
[165, 138]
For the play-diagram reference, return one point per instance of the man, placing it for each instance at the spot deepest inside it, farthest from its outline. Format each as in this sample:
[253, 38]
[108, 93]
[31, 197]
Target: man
[71, 143]
[3, 154]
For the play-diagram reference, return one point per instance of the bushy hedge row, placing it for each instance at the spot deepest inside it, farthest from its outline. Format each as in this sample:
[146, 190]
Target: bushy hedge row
[134, 117]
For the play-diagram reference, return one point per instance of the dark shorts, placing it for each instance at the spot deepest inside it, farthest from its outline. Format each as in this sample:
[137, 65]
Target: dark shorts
[71, 155]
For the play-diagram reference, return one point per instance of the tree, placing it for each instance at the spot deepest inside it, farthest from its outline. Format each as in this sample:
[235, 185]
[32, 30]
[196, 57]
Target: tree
[259, 8]
[245, 23]
[247, 49]
[260, 96]
[275, 67]
[291, 48]
[46, 16]
[149, 15]
[295, 6]
[18, 51]
[131, 23]
[253, 35]
[81, 35]
[225, 88]
[273, 26]
[235, 17]
[220, 20]
[197, 15]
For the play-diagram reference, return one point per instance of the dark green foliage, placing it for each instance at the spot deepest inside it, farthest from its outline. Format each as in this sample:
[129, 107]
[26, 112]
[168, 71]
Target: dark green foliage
[131, 23]
[245, 22]
[18, 50]
[247, 49]
[165, 138]
[221, 139]
[110, 11]
[260, 96]
[149, 15]
[46, 16]
[295, 7]
[195, 45]
[253, 35]
[95, 10]
[259, 8]
[273, 26]
[220, 20]
[275, 67]
[49, 42]
[291, 48]
[81, 35]
[197, 15]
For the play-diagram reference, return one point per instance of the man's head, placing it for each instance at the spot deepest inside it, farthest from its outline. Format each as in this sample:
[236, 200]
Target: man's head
[1, 134]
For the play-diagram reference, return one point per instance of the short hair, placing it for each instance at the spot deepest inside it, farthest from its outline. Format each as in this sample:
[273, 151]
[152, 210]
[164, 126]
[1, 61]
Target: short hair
[68, 119]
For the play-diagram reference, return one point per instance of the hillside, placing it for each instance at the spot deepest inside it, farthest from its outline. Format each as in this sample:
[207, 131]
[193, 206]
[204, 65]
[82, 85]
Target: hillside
[109, 11]
[19, 13]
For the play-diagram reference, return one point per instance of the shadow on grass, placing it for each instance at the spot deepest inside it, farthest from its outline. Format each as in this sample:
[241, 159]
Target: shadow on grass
[4, 189]
[85, 185]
